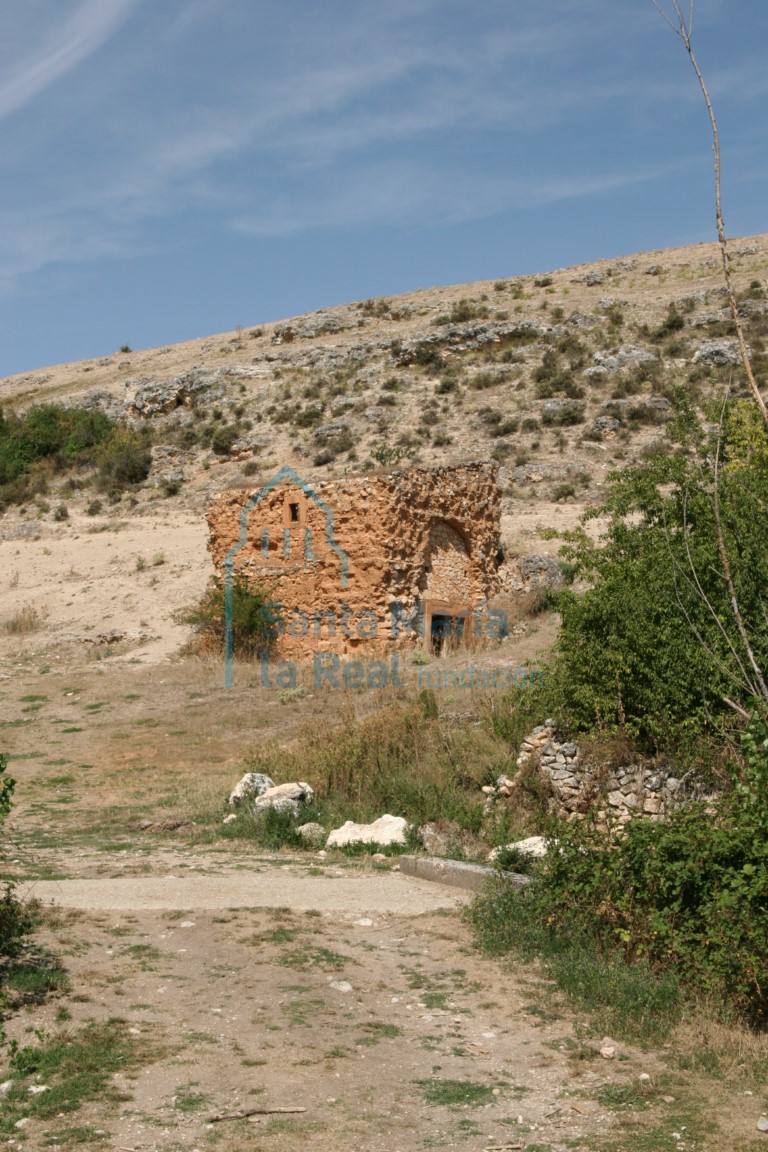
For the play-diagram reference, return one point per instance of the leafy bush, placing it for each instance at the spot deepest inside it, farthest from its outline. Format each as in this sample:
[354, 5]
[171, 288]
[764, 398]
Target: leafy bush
[45, 434]
[461, 312]
[16, 919]
[686, 899]
[564, 415]
[124, 460]
[223, 439]
[255, 617]
[654, 645]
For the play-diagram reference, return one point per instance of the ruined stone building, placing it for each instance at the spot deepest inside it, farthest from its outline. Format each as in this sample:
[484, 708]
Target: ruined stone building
[366, 563]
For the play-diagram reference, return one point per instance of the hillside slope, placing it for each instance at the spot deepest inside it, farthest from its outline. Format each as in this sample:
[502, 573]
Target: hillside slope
[559, 377]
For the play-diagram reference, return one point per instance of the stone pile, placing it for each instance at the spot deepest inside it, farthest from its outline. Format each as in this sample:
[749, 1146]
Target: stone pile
[615, 793]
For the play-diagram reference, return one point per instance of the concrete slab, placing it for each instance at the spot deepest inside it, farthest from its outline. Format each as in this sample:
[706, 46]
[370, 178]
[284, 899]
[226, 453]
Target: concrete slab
[458, 873]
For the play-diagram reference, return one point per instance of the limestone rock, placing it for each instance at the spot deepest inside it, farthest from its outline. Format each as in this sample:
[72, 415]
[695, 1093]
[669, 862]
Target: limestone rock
[540, 571]
[437, 840]
[386, 830]
[718, 352]
[285, 797]
[627, 356]
[534, 846]
[312, 833]
[251, 785]
[153, 397]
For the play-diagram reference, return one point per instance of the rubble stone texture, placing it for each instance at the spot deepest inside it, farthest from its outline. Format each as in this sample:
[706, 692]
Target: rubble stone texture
[616, 793]
[365, 563]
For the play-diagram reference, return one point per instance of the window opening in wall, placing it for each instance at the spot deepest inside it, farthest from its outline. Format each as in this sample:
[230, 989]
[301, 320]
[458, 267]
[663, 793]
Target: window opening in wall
[294, 513]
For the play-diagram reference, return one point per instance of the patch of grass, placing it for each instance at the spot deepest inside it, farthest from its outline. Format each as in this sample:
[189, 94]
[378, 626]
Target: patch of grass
[75, 1136]
[299, 1011]
[397, 760]
[456, 1093]
[310, 955]
[187, 1100]
[376, 1030]
[31, 978]
[435, 999]
[77, 1068]
[629, 1001]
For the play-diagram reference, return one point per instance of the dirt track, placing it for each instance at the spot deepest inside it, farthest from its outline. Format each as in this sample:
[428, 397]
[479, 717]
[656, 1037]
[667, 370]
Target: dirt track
[263, 888]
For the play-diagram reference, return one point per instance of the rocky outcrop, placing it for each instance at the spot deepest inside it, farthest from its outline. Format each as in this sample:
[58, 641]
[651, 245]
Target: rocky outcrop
[627, 357]
[466, 337]
[716, 353]
[153, 397]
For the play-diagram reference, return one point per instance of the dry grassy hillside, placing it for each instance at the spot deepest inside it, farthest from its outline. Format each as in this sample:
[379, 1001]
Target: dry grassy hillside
[560, 377]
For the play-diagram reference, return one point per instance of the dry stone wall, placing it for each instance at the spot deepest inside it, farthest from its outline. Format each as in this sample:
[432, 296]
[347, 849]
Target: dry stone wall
[615, 793]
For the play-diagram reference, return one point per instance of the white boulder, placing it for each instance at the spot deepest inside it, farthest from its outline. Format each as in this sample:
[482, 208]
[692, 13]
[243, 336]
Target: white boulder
[534, 846]
[386, 830]
[313, 834]
[252, 784]
[285, 797]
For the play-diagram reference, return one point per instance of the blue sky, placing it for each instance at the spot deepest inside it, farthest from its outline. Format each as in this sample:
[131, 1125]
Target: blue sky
[173, 168]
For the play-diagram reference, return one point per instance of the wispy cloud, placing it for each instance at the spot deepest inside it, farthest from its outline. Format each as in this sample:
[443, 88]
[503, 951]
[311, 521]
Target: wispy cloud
[66, 44]
[419, 195]
[411, 112]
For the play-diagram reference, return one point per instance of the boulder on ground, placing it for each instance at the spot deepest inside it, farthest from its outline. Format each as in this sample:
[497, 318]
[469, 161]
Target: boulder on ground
[285, 797]
[386, 830]
[534, 846]
[540, 572]
[438, 838]
[253, 784]
[312, 833]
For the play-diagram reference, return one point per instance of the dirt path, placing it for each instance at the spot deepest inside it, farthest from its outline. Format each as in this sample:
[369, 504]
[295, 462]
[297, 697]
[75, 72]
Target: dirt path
[300, 889]
[387, 1028]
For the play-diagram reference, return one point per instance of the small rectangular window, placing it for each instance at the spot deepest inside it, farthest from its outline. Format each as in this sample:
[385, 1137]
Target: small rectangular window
[294, 513]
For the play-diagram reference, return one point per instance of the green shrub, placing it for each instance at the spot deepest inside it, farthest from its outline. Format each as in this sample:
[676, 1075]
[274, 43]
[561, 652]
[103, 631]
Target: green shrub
[46, 432]
[653, 645]
[256, 618]
[16, 919]
[683, 901]
[461, 312]
[565, 415]
[223, 439]
[124, 460]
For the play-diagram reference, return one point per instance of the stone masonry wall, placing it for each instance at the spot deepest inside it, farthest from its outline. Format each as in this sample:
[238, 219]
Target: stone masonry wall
[408, 536]
[616, 793]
